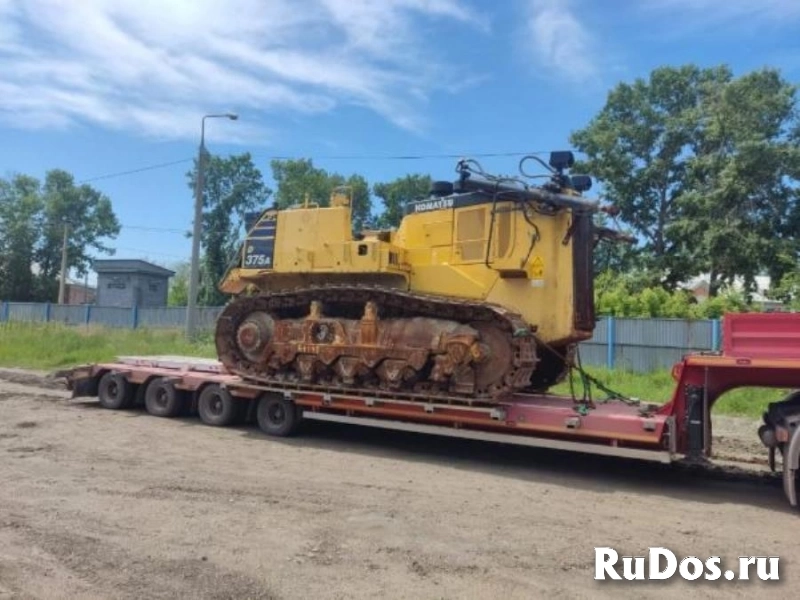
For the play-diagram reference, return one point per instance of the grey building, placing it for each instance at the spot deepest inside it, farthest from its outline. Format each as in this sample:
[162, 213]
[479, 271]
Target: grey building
[127, 283]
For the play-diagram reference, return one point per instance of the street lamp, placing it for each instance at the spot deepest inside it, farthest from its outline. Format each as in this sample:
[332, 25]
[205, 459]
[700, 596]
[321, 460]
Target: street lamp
[194, 272]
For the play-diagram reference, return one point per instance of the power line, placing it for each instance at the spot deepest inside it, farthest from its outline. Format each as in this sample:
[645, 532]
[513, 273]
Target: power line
[405, 156]
[147, 252]
[157, 229]
[400, 157]
[139, 170]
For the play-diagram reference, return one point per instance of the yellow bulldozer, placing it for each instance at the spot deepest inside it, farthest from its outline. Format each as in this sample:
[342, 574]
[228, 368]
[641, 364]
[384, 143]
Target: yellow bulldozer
[484, 289]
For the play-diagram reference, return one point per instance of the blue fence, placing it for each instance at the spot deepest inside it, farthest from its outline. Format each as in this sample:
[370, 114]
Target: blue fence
[109, 316]
[640, 345]
[644, 345]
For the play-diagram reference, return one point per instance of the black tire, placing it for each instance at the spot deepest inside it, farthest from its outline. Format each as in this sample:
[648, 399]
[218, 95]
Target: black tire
[162, 399]
[216, 406]
[277, 415]
[114, 391]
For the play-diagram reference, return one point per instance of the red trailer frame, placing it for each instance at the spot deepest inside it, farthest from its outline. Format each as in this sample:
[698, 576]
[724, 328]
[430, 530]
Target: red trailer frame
[677, 431]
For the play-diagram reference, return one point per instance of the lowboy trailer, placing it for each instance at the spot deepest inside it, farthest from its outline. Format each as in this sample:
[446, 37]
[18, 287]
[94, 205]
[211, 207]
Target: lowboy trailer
[761, 350]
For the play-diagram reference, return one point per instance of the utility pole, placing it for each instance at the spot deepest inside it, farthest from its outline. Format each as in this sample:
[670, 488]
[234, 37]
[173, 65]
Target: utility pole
[62, 284]
[197, 230]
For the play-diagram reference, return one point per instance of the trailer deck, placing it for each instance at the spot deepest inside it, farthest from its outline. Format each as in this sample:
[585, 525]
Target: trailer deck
[612, 428]
[679, 430]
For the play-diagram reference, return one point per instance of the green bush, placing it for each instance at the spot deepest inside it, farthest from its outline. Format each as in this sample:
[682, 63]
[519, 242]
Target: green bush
[620, 296]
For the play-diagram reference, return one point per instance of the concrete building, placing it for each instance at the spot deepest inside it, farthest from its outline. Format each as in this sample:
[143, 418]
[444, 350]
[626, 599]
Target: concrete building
[127, 283]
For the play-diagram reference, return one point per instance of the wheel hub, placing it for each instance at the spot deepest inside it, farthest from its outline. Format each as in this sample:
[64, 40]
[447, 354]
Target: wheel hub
[254, 334]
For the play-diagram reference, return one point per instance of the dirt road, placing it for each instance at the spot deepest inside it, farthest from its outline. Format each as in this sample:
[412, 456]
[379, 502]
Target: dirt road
[103, 504]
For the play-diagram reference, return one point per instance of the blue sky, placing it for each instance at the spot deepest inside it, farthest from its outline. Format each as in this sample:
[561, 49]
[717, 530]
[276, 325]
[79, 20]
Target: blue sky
[100, 87]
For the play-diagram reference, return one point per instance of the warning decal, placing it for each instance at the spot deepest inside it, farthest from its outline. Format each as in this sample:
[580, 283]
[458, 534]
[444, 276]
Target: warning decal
[536, 270]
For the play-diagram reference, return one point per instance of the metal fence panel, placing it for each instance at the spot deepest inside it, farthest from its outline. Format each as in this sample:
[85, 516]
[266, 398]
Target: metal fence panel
[112, 316]
[669, 333]
[644, 359]
[68, 315]
[175, 317]
[167, 316]
[593, 354]
[600, 332]
[207, 317]
[24, 311]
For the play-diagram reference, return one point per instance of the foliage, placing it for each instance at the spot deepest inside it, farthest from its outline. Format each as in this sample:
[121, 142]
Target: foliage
[703, 167]
[20, 224]
[179, 285]
[52, 345]
[609, 255]
[298, 180]
[32, 221]
[232, 187]
[396, 194]
[629, 296]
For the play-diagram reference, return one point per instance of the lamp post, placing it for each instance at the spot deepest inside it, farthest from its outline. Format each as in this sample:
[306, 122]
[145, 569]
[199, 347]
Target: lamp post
[194, 272]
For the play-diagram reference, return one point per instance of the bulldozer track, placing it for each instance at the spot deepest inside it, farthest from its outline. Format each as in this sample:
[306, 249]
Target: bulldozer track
[348, 301]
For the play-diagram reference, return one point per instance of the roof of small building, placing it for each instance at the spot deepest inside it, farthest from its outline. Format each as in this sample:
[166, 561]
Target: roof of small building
[126, 265]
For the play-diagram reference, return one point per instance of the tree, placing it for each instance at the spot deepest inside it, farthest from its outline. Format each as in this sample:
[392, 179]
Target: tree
[298, 179]
[20, 225]
[396, 194]
[32, 221]
[232, 187]
[89, 216]
[179, 285]
[698, 164]
[743, 207]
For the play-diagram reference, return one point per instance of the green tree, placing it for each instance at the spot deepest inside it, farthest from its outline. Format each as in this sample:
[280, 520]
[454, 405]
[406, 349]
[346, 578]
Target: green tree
[90, 219]
[742, 211]
[298, 179]
[20, 225]
[614, 255]
[700, 164]
[179, 285]
[396, 194]
[232, 187]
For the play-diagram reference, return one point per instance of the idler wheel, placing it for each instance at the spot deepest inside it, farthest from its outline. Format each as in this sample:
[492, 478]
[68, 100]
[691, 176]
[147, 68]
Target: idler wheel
[254, 333]
[496, 358]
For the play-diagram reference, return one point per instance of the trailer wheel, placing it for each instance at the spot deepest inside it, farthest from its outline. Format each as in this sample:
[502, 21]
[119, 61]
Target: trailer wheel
[162, 399]
[114, 391]
[277, 415]
[216, 406]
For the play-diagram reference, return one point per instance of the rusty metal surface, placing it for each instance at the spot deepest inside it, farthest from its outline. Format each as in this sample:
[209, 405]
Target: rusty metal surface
[344, 336]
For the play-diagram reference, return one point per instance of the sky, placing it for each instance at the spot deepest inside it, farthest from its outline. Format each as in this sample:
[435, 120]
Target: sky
[114, 90]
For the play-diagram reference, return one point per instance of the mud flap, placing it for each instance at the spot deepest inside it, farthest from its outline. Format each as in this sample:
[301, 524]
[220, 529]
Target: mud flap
[791, 464]
[86, 387]
[696, 419]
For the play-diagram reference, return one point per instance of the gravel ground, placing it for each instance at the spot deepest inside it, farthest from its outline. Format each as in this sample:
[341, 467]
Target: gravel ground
[104, 504]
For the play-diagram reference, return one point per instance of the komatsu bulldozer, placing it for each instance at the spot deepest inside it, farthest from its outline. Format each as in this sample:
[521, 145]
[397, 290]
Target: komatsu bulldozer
[484, 289]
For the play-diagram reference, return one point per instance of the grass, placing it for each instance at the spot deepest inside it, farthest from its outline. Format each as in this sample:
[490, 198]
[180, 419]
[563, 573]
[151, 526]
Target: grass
[53, 346]
[658, 387]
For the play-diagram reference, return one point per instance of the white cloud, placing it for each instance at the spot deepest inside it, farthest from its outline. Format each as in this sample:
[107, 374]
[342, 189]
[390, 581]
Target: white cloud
[727, 11]
[155, 67]
[559, 42]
